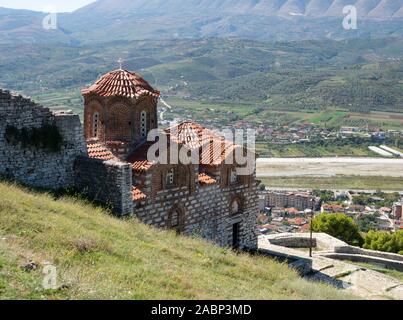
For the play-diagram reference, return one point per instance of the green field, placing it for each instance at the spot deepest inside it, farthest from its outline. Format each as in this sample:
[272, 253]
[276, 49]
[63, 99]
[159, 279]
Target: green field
[100, 257]
[337, 182]
[301, 150]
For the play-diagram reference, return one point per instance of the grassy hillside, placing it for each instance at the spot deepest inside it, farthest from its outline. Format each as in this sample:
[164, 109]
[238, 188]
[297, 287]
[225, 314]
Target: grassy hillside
[100, 257]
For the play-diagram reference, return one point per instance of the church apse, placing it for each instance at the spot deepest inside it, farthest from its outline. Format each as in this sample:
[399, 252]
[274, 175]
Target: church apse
[119, 111]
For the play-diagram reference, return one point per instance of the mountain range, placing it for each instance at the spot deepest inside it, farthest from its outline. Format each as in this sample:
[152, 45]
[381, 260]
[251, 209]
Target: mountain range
[382, 9]
[267, 20]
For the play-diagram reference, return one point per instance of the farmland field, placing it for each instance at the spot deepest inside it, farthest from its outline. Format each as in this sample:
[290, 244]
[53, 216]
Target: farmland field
[301, 150]
[336, 182]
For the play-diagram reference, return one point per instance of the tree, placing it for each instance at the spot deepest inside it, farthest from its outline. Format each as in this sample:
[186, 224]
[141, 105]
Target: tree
[339, 226]
[384, 241]
[368, 222]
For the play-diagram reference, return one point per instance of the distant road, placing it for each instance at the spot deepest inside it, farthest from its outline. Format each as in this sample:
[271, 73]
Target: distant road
[330, 189]
[328, 167]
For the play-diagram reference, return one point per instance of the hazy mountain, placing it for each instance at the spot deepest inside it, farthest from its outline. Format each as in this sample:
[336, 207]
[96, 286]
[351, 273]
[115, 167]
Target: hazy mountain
[385, 9]
[108, 20]
[24, 26]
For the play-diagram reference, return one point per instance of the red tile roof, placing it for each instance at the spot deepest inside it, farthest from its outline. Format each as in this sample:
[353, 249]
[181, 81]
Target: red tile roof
[139, 160]
[215, 152]
[214, 148]
[333, 207]
[292, 210]
[138, 195]
[121, 83]
[191, 134]
[97, 150]
[297, 221]
[206, 179]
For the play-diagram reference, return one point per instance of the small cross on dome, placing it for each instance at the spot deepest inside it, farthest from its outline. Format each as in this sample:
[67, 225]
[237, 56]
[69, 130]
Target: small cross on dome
[120, 61]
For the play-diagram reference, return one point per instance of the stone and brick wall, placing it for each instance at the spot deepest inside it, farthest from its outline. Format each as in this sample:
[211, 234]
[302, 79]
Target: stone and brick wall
[34, 166]
[206, 212]
[109, 182]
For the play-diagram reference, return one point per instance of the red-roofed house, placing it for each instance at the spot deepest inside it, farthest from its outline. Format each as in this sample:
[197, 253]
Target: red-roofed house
[333, 208]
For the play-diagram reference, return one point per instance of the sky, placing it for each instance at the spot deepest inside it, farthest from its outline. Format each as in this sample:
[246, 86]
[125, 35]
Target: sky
[45, 5]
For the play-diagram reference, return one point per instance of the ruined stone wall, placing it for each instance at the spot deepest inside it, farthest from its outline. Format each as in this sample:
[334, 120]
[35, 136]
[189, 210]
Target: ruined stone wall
[206, 212]
[294, 241]
[370, 253]
[108, 182]
[35, 166]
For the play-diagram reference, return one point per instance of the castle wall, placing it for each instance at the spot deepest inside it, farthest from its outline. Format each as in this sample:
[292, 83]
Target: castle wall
[206, 212]
[108, 182]
[35, 166]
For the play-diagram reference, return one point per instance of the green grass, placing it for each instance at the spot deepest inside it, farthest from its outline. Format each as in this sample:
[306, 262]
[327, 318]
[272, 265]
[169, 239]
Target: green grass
[100, 257]
[311, 151]
[337, 182]
[328, 117]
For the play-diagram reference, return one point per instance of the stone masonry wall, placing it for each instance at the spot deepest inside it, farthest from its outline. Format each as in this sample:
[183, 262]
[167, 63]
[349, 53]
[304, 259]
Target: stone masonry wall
[109, 182]
[206, 212]
[34, 166]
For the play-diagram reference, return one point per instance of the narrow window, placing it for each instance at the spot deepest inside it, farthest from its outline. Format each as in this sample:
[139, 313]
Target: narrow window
[234, 176]
[95, 125]
[235, 207]
[143, 124]
[170, 177]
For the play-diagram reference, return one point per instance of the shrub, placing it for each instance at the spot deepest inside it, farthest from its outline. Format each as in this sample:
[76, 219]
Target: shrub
[384, 241]
[46, 137]
[339, 226]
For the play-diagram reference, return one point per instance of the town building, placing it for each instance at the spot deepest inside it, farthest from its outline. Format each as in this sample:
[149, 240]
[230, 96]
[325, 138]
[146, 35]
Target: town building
[298, 200]
[398, 210]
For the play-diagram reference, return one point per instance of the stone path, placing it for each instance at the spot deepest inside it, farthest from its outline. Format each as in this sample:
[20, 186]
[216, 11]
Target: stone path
[361, 282]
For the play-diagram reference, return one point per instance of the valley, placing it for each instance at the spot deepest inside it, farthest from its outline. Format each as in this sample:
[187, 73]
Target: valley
[85, 196]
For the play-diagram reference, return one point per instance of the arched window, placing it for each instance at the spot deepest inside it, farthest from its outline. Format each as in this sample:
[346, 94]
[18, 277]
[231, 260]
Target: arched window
[236, 207]
[95, 125]
[176, 219]
[143, 124]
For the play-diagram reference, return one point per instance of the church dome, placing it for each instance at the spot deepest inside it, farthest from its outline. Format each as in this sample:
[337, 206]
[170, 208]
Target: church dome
[121, 83]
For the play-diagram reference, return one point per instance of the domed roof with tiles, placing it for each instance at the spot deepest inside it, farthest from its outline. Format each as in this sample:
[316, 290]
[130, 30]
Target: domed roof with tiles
[121, 83]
